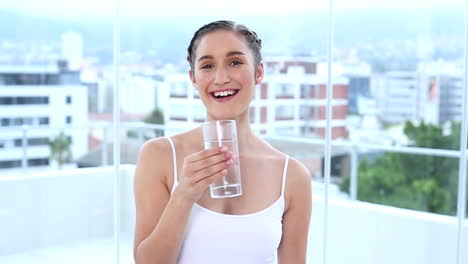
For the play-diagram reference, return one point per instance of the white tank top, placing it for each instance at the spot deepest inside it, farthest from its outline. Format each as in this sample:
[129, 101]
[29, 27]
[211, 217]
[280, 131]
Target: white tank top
[213, 238]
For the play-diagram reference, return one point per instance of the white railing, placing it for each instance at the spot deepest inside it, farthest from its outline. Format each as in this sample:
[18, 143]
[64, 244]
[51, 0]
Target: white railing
[352, 147]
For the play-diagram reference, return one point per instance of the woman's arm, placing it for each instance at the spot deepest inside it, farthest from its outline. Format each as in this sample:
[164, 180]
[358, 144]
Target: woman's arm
[157, 240]
[161, 218]
[296, 219]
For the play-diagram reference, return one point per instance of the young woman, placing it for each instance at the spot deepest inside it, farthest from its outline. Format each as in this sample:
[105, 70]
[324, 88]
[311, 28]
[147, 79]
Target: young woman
[176, 219]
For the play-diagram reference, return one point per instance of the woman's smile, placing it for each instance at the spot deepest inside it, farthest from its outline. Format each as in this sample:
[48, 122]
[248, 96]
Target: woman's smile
[224, 95]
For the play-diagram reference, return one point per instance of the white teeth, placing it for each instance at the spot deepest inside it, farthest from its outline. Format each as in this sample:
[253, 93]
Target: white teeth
[223, 93]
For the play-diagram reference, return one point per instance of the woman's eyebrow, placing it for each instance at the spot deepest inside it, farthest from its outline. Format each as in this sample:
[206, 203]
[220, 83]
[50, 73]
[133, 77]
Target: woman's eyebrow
[206, 57]
[233, 53]
[229, 54]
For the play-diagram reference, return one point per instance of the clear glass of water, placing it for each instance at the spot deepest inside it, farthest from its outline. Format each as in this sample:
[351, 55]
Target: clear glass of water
[224, 133]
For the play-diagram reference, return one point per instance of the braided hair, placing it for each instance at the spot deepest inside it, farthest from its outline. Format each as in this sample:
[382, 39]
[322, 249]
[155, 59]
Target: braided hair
[254, 43]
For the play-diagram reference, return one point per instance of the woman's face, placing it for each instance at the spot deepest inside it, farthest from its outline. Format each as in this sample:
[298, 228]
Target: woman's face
[225, 74]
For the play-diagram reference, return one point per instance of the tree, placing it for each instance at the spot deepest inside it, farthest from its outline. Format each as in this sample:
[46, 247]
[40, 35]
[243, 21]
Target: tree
[156, 117]
[418, 182]
[60, 149]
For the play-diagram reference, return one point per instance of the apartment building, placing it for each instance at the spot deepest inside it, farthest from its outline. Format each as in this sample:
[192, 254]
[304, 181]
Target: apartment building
[33, 100]
[398, 96]
[433, 93]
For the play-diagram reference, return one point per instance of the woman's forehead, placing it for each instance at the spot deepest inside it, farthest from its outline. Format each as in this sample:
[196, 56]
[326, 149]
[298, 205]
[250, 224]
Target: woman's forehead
[221, 43]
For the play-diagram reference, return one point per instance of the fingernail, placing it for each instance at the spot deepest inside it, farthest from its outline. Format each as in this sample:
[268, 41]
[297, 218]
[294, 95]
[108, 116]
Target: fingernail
[228, 155]
[223, 148]
[224, 171]
[229, 162]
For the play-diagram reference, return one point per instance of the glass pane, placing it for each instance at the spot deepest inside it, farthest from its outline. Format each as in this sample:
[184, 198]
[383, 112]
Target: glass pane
[414, 194]
[403, 64]
[464, 231]
[404, 89]
[290, 101]
[55, 63]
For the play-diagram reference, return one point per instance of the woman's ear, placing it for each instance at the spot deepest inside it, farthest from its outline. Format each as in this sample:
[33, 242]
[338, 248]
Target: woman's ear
[259, 73]
[192, 78]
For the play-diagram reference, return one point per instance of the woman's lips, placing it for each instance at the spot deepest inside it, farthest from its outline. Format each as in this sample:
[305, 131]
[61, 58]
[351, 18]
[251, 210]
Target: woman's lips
[224, 98]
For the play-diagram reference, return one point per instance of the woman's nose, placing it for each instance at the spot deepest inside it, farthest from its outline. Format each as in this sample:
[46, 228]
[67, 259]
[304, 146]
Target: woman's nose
[222, 76]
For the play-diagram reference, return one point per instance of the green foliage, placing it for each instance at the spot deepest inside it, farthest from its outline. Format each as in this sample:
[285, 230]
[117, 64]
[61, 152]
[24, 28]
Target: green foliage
[60, 149]
[418, 182]
[156, 117]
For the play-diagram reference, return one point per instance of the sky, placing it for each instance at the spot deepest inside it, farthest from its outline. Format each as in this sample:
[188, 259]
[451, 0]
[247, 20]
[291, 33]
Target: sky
[146, 8]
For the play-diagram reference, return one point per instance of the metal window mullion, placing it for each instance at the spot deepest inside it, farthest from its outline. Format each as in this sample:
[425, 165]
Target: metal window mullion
[328, 133]
[461, 204]
[116, 132]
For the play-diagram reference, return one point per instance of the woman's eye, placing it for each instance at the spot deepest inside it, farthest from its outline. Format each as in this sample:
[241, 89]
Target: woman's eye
[236, 62]
[207, 66]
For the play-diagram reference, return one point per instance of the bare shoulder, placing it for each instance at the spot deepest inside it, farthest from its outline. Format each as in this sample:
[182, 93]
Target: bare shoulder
[297, 172]
[298, 185]
[154, 149]
[152, 163]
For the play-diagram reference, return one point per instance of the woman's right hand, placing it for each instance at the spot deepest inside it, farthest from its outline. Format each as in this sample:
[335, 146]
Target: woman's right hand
[200, 169]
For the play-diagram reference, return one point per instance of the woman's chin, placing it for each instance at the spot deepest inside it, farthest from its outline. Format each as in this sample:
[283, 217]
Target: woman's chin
[222, 117]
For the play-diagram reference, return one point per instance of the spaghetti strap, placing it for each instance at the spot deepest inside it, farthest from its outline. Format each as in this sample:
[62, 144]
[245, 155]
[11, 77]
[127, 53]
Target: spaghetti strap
[285, 169]
[174, 159]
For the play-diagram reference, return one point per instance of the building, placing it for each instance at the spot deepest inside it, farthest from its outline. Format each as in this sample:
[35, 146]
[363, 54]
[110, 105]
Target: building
[433, 93]
[441, 92]
[183, 108]
[34, 101]
[290, 101]
[358, 74]
[140, 91]
[398, 96]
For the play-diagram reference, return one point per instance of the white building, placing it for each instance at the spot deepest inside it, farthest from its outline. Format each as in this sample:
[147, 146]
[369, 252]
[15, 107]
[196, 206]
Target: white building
[433, 93]
[183, 108]
[140, 93]
[398, 96]
[33, 101]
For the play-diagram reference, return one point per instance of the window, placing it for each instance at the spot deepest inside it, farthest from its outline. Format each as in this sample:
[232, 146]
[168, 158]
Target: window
[18, 142]
[38, 162]
[6, 100]
[19, 121]
[24, 100]
[284, 112]
[391, 45]
[43, 120]
[285, 90]
[179, 89]
[5, 122]
[38, 141]
[10, 164]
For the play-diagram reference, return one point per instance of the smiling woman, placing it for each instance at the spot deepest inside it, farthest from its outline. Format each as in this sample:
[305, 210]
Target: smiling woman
[177, 220]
